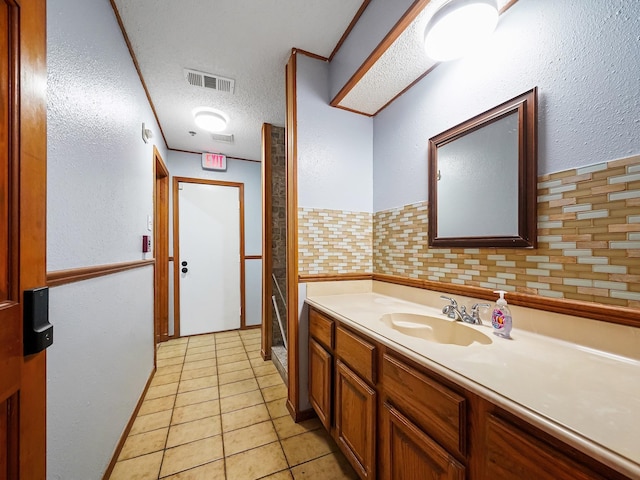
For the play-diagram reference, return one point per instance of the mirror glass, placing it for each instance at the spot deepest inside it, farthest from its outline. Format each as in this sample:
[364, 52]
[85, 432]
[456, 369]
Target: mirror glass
[482, 179]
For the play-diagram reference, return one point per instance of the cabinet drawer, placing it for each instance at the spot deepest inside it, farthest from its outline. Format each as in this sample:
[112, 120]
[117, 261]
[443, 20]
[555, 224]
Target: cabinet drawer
[321, 328]
[433, 407]
[357, 353]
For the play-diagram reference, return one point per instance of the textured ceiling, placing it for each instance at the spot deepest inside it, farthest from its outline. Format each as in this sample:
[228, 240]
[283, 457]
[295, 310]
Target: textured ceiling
[246, 40]
[398, 67]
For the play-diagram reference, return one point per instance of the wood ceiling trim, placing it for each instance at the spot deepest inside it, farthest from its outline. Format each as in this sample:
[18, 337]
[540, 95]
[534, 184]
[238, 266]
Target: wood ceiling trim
[353, 23]
[408, 17]
[379, 51]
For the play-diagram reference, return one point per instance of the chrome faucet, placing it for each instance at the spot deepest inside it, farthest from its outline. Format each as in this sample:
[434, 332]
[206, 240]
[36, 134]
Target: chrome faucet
[460, 313]
[451, 310]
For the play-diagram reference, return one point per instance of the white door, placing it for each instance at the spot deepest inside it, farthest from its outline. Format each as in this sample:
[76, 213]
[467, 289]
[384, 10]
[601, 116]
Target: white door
[209, 223]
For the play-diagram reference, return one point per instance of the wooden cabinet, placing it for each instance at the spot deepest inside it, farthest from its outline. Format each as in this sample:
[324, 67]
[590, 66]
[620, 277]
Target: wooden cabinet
[396, 419]
[356, 420]
[513, 453]
[410, 454]
[320, 381]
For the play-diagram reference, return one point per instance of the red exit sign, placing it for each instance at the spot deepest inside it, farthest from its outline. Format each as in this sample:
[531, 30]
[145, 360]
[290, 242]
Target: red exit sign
[214, 161]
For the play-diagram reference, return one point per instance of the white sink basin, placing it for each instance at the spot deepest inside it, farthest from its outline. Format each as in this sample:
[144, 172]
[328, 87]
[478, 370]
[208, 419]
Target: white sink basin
[434, 329]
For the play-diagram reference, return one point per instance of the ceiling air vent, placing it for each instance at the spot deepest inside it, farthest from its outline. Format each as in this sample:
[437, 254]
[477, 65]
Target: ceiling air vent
[222, 137]
[208, 80]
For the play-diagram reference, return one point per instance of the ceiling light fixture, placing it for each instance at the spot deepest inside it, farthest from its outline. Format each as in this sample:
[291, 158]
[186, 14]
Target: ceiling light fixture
[210, 120]
[459, 25]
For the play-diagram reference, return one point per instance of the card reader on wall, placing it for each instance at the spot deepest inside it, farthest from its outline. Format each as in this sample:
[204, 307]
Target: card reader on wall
[38, 332]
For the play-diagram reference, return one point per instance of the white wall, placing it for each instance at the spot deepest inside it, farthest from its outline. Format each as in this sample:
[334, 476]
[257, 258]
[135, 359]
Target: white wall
[181, 164]
[334, 146]
[100, 184]
[334, 167]
[583, 56]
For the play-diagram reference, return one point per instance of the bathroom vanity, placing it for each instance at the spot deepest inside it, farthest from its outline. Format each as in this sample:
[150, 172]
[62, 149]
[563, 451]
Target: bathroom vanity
[407, 394]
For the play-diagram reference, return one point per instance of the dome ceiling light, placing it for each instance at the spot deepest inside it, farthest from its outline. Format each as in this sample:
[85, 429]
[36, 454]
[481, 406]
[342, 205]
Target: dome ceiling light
[458, 26]
[210, 120]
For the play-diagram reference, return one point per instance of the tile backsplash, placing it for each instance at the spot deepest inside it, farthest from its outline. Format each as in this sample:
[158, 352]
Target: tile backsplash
[588, 241]
[334, 241]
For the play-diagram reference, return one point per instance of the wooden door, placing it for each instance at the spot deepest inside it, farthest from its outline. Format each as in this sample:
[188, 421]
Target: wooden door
[410, 454]
[22, 233]
[320, 368]
[356, 420]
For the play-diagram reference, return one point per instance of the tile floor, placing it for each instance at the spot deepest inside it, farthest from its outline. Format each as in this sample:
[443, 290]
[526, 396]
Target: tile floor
[216, 410]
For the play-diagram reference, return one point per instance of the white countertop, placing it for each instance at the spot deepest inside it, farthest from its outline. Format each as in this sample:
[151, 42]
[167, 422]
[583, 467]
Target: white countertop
[588, 398]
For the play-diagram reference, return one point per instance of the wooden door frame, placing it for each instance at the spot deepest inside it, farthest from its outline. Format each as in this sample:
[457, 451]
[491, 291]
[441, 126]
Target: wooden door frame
[28, 137]
[267, 263]
[176, 246]
[161, 247]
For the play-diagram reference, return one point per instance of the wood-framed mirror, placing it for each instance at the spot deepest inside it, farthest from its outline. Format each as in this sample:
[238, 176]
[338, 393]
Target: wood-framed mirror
[483, 179]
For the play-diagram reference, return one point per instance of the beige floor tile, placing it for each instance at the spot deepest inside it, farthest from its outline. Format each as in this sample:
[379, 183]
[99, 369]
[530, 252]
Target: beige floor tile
[230, 377]
[333, 466]
[199, 372]
[249, 437]
[229, 344]
[283, 475]
[227, 334]
[201, 349]
[270, 380]
[233, 366]
[144, 443]
[191, 455]
[198, 383]
[258, 361]
[196, 357]
[161, 391]
[256, 463]
[171, 350]
[210, 471]
[230, 351]
[153, 421]
[163, 362]
[145, 467]
[156, 405]
[286, 427]
[173, 353]
[197, 396]
[197, 411]
[274, 393]
[244, 417]
[278, 408]
[176, 341]
[237, 388]
[251, 339]
[200, 339]
[169, 369]
[307, 446]
[250, 336]
[165, 379]
[192, 431]
[208, 363]
[254, 354]
[252, 348]
[267, 369]
[243, 400]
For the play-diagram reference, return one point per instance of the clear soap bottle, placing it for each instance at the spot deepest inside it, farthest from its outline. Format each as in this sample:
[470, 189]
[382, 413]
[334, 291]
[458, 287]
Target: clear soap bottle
[501, 317]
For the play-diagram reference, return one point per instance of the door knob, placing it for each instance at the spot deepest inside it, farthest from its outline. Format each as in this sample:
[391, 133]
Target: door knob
[184, 264]
[185, 270]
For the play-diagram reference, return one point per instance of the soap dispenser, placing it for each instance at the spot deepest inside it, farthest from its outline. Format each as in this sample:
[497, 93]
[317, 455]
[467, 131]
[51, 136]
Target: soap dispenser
[501, 317]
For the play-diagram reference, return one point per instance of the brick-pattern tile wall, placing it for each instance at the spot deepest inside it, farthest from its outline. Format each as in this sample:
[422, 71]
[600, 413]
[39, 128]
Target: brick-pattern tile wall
[588, 241]
[334, 241]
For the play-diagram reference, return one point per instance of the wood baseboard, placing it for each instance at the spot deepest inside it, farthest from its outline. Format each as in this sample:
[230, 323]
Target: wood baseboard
[125, 433]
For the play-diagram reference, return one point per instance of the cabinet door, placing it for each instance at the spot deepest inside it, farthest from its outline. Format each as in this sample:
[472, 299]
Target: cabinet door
[512, 453]
[410, 454]
[356, 420]
[320, 367]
